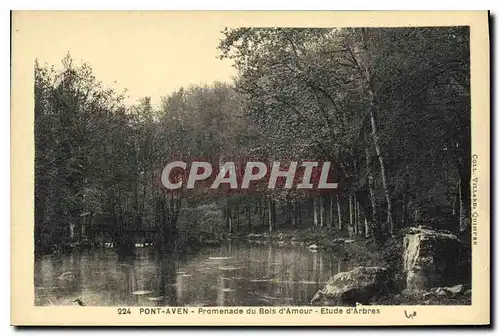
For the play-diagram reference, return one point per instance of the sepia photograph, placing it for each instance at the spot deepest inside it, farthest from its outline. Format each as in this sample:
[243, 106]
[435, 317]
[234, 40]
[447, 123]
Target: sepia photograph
[181, 167]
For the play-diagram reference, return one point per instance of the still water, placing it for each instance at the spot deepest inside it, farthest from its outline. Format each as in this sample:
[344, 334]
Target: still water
[234, 274]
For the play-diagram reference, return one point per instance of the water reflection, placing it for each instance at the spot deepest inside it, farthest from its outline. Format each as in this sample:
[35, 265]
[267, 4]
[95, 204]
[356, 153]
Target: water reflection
[231, 275]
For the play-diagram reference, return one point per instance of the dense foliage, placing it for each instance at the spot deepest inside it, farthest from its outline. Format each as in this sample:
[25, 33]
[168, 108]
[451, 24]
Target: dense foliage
[391, 107]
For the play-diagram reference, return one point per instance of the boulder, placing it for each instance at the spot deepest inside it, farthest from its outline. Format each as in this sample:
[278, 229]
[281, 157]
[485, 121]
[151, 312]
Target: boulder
[359, 285]
[440, 291]
[433, 259]
[458, 289]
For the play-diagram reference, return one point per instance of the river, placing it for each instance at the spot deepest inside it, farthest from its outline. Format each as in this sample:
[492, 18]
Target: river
[234, 274]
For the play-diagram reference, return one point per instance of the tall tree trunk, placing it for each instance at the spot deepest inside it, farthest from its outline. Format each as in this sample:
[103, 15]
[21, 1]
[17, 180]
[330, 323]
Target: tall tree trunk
[315, 210]
[356, 216]
[275, 218]
[367, 228]
[367, 61]
[351, 226]
[359, 222]
[370, 187]
[405, 198]
[249, 224]
[354, 229]
[454, 202]
[339, 213]
[237, 214]
[382, 171]
[332, 221]
[228, 216]
[262, 213]
[321, 211]
[299, 214]
[272, 214]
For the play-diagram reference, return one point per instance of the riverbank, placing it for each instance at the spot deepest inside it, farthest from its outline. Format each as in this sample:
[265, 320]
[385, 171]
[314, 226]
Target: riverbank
[358, 250]
[364, 252]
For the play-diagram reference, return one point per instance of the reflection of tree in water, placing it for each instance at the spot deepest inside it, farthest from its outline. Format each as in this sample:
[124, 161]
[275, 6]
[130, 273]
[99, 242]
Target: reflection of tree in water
[168, 279]
[226, 276]
[126, 264]
[69, 280]
[220, 291]
[225, 284]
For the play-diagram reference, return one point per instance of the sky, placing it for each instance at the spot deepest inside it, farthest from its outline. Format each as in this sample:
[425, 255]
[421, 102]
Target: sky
[149, 54]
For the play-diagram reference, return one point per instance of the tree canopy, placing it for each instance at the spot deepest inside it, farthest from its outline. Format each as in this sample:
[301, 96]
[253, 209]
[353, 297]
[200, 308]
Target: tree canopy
[389, 106]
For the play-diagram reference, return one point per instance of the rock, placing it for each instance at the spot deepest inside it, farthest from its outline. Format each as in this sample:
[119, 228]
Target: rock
[313, 247]
[358, 285]
[444, 291]
[348, 241]
[433, 259]
[458, 289]
[440, 291]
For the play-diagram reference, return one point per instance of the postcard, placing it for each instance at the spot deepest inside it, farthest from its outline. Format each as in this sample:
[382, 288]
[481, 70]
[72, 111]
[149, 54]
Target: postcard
[259, 168]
